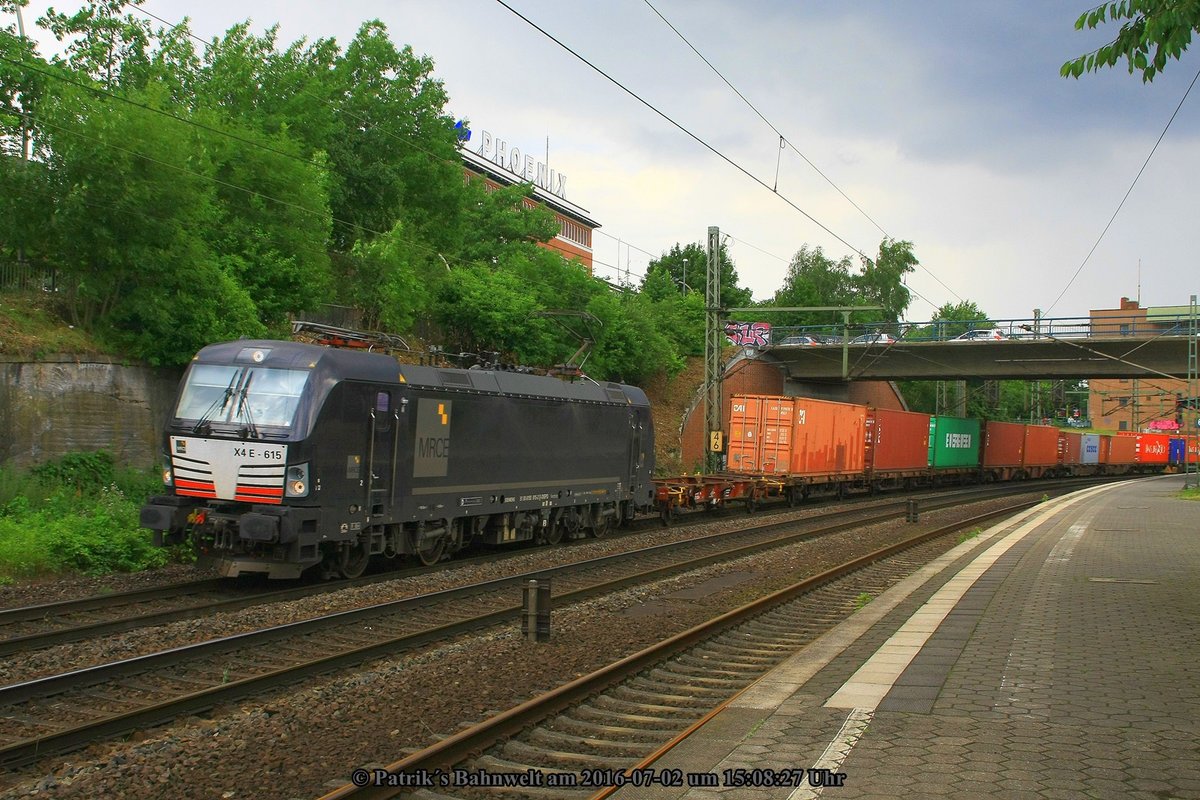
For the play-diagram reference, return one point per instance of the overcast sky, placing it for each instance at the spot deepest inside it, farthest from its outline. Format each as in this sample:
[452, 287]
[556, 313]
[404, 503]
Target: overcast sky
[946, 123]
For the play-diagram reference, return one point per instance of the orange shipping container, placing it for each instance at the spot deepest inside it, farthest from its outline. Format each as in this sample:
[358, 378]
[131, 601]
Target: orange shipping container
[760, 434]
[1122, 450]
[780, 435]
[1004, 444]
[1070, 448]
[1041, 446]
[828, 438]
[897, 440]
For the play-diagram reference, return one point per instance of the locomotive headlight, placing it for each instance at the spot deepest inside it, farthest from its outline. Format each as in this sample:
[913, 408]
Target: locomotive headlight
[168, 475]
[297, 480]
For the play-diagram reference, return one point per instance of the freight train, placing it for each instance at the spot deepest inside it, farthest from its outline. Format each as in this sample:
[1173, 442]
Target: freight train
[285, 456]
[796, 447]
[815, 442]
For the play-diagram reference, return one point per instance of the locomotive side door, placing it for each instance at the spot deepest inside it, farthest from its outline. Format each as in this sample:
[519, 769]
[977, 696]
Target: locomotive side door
[384, 427]
[637, 453]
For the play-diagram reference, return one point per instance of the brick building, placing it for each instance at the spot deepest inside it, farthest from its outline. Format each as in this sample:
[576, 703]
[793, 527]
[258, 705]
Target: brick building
[1136, 404]
[497, 165]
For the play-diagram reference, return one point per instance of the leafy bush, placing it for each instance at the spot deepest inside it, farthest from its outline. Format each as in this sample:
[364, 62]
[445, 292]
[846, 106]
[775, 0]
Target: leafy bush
[77, 513]
[86, 472]
[107, 540]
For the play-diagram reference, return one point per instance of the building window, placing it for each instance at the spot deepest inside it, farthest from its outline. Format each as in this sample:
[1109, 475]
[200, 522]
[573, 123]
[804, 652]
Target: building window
[574, 232]
[1123, 425]
[1122, 401]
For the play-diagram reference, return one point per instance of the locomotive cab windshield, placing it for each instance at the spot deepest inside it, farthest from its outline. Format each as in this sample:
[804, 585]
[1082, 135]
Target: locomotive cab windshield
[250, 396]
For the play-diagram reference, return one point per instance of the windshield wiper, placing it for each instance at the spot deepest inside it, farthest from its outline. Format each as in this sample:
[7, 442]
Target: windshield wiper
[217, 405]
[244, 407]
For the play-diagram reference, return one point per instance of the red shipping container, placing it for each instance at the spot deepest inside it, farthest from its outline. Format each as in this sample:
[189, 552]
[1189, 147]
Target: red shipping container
[1152, 448]
[1122, 450]
[1041, 446]
[760, 434]
[897, 440]
[1004, 444]
[1070, 448]
[829, 438]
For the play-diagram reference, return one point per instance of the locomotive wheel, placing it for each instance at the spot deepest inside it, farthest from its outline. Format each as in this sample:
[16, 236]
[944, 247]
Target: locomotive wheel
[599, 523]
[666, 513]
[354, 560]
[554, 533]
[432, 553]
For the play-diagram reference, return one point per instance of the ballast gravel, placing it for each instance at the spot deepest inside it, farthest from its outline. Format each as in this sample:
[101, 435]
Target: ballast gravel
[305, 741]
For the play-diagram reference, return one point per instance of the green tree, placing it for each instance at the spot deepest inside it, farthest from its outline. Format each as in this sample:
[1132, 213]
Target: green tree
[881, 282]
[1151, 32]
[103, 44]
[272, 220]
[632, 346]
[813, 279]
[396, 153]
[953, 319]
[687, 266]
[488, 310]
[497, 222]
[132, 228]
[385, 280]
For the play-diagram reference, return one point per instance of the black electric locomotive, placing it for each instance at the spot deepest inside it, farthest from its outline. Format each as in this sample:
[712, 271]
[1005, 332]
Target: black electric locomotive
[282, 456]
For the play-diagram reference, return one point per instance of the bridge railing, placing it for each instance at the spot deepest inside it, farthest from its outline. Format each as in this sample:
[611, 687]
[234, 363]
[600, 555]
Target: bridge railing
[946, 330]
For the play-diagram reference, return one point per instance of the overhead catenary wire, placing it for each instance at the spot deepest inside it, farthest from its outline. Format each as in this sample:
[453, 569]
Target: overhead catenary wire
[784, 141]
[693, 136]
[1128, 192]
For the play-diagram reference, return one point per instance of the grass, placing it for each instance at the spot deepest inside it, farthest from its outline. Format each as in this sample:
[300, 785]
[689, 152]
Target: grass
[861, 601]
[967, 536]
[30, 328]
[78, 514]
[1192, 493]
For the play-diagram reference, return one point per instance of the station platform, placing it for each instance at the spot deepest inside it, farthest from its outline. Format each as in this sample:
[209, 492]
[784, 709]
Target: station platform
[1056, 655]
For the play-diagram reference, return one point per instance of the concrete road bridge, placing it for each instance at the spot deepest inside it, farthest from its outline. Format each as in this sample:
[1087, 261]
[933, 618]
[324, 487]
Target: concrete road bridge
[1031, 358]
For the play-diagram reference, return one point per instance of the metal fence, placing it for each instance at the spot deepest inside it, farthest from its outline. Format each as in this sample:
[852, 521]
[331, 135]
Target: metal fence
[26, 276]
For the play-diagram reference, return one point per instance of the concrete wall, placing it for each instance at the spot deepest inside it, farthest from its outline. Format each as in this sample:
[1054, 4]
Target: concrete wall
[67, 404]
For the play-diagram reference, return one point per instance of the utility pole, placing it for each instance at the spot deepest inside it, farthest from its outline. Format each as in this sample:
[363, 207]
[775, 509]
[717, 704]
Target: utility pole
[25, 134]
[1135, 403]
[1190, 403]
[713, 334]
[26, 140]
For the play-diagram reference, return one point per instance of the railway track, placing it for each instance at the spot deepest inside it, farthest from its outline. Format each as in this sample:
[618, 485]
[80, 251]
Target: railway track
[62, 712]
[35, 627]
[28, 628]
[599, 731]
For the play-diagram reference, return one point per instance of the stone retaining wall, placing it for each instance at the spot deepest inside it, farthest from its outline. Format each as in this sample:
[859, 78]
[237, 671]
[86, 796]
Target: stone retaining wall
[65, 404]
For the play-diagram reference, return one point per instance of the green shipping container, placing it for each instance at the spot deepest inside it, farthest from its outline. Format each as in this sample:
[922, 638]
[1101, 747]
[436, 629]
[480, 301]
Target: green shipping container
[953, 442]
